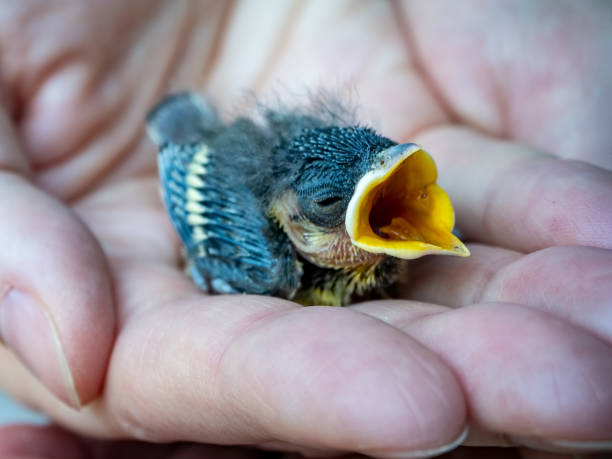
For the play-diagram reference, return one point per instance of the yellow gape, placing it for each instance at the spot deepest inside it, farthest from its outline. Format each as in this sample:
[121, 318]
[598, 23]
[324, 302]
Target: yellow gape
[399, 210]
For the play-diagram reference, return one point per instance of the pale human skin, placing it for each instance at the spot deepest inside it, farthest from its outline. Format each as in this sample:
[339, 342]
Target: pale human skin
[512, 100]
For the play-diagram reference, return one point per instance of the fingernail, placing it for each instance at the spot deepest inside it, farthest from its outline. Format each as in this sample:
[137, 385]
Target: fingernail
[432, 452]
[565, 446]
[28, 330]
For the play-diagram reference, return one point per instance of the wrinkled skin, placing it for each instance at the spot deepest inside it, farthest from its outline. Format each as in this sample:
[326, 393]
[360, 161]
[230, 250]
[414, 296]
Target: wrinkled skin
[512, 99]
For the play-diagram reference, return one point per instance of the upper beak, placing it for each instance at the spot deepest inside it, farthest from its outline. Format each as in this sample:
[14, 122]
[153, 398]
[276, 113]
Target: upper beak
[398, 209]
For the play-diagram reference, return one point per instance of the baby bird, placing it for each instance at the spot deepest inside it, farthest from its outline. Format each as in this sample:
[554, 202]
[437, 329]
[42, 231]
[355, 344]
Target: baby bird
[301, 204]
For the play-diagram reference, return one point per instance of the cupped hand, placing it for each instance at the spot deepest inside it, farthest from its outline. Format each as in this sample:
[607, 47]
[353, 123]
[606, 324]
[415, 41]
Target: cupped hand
[515, 341]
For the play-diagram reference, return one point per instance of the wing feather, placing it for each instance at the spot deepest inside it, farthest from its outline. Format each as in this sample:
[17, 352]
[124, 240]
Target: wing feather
[230, 244]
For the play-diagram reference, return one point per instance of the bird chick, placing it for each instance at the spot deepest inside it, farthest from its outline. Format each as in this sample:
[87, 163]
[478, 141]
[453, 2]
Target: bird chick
[302, 204]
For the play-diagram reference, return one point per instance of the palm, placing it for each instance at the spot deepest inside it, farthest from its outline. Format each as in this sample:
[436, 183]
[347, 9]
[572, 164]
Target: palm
[246, 358]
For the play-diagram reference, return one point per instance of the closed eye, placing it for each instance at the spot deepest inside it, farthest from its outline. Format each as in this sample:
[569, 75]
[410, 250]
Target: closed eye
[329, 201]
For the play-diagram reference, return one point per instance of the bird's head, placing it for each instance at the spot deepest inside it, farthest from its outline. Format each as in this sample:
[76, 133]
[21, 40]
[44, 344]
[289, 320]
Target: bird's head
[355, 196]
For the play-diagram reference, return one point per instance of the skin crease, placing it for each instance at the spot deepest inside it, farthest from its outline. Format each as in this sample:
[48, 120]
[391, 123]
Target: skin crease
[514, 341]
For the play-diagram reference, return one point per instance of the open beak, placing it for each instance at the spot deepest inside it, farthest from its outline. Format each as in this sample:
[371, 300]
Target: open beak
[398, 209]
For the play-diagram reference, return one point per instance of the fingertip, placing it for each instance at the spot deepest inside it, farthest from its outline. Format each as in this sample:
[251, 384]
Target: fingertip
[58, 314]
[526, 372]
[346, 381]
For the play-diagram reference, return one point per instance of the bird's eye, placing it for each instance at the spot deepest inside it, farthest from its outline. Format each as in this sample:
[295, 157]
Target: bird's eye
[323, 206]
[327, 202]
[326, 210]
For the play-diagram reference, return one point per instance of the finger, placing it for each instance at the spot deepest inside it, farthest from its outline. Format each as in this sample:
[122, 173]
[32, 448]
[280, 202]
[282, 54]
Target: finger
[318, 377]
[514, 197]
[572, 283]
[506, 72]
[56, 307]
[255, 370]
[525, 373]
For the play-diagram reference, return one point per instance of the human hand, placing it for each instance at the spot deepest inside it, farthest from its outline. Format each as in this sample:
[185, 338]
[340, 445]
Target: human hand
[264, 371]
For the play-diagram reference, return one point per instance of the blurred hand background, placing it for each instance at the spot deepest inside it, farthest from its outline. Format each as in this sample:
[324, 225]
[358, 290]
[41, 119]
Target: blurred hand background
[104, 333]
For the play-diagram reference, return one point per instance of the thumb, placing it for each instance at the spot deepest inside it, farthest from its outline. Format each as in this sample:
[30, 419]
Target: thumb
[56, 304]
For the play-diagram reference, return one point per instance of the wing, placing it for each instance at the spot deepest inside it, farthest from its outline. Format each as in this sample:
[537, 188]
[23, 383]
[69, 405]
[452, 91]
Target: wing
[231, 246]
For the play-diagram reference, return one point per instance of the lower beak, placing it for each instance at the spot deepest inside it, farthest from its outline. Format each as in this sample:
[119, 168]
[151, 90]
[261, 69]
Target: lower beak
[399, 210]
